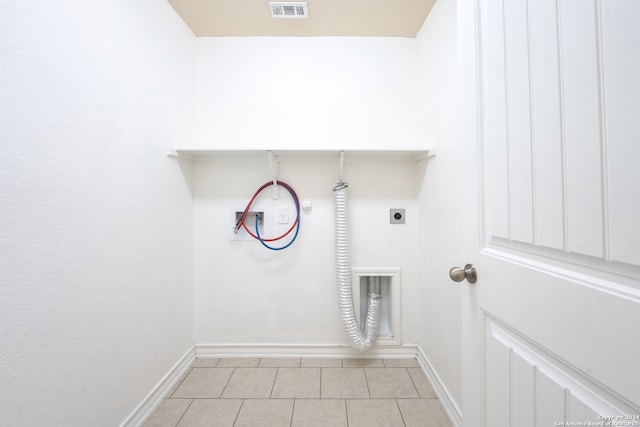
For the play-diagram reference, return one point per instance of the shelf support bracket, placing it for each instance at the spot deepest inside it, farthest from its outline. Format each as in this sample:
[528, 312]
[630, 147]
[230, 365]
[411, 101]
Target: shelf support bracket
[176, 155]
[273, 163]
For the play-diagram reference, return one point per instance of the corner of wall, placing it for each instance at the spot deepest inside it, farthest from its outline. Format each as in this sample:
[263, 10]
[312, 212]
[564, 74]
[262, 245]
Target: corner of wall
[447, 401]
[441, 303]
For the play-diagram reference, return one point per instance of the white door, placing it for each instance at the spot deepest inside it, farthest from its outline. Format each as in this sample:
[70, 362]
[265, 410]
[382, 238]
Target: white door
[552, 326]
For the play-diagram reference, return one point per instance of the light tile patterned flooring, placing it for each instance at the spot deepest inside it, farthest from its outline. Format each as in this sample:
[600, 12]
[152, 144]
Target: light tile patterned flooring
[290, 392]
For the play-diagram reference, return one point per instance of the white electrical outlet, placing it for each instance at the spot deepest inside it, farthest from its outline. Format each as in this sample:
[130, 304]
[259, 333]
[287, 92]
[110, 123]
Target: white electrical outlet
[283, 215]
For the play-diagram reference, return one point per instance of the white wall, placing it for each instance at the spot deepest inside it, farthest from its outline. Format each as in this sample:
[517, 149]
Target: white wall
[247, 294]
[325, 92]
[95, 220]
[442, 200]
[343, 93]
[96, 302]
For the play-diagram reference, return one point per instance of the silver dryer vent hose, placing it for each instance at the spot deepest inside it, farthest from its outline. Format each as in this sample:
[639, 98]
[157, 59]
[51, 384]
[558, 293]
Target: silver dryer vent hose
[361, 338]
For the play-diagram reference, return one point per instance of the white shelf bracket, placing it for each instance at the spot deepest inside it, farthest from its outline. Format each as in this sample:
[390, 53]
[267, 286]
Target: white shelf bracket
[273, 163]
[429, 154]
[176, 155]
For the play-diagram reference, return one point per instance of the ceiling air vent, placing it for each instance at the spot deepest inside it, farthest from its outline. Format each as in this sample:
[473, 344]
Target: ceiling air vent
[289, 9]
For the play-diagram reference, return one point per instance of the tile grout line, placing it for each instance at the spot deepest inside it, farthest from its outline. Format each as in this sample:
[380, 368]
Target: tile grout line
[235, 420]
[184, 413]
[346, 412]
[227, 383]
[400, 411]
[181, 381]
[273, 384]
[293, 409]
[366, 380]
[414, 384]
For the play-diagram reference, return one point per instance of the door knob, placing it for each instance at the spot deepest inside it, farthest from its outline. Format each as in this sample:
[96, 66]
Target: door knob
[458, 274]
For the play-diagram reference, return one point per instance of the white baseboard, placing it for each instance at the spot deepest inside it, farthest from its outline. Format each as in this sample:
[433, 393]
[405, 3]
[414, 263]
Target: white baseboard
[153, 399]
[446, 400]
[302, 350]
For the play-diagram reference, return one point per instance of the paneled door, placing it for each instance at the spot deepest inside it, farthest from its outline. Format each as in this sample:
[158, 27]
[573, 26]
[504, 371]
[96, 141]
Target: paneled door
[552, 325]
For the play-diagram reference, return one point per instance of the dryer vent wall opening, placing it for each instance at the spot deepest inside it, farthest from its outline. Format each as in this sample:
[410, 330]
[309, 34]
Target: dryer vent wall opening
[389, 332]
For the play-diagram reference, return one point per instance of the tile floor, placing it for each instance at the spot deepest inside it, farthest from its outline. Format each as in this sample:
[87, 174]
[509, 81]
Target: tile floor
[274, 392]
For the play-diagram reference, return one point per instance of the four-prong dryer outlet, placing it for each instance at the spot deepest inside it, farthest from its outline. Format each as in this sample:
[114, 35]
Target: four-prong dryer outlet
[396, 216]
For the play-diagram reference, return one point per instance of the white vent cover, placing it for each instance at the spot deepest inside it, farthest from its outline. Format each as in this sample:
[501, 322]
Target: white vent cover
[289, 9]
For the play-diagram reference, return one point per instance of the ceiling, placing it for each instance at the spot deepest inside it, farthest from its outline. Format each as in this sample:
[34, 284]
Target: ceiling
[366, 18]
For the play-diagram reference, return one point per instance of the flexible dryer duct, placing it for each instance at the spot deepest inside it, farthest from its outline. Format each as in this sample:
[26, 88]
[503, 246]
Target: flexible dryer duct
[361, 338]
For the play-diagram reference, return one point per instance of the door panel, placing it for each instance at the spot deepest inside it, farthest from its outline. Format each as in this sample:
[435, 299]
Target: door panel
[581, 127]
[560, 99]
[620, 69]
[556, 307]
[538, 388]
[589, 324]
